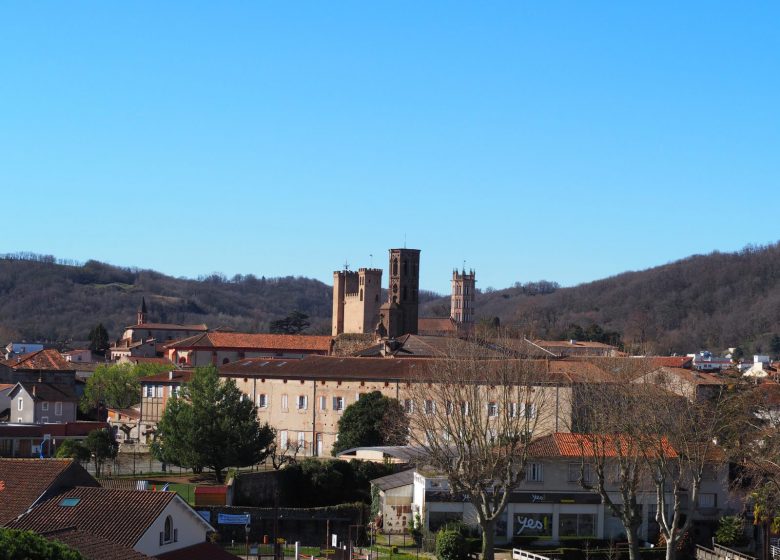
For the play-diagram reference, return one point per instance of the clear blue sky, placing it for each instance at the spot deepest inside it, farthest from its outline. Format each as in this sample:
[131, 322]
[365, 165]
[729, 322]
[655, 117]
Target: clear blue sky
[566, 141]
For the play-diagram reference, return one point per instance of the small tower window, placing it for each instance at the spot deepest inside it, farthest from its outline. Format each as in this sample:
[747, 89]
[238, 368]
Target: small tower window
[395, 267]
[361, 294]
[405, 293]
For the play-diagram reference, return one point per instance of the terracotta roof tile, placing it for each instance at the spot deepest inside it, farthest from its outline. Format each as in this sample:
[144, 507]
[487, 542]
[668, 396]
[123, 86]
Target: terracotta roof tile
[169, 327]
[579, 445]
[98, 512]
[42, 360]
[248, 341]
[23, 481]
[173, 376]
[93, 547]
[202, 551]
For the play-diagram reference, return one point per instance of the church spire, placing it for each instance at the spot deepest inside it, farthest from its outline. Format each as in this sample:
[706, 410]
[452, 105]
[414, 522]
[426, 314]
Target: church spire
[142, 312]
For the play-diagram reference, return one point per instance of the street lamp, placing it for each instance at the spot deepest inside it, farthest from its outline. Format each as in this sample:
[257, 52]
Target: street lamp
[246, 530]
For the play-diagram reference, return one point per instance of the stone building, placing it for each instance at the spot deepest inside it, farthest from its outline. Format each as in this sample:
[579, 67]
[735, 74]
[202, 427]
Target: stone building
[399, 314]
[462, 300]
[356, 300]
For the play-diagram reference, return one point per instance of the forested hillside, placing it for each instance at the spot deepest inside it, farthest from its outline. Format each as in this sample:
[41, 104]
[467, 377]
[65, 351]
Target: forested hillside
[710, 301]
[706, 301]
[42, 299]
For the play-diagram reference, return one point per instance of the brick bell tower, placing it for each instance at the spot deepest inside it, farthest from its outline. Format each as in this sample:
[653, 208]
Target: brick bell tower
[399, 314]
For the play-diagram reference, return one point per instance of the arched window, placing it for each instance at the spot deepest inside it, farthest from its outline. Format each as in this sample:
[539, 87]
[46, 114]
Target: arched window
[361, 294]
[168, 532]
[395, 267]
[183, 360]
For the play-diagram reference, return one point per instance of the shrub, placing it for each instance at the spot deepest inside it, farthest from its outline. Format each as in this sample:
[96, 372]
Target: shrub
[730, 531]
[450, 545]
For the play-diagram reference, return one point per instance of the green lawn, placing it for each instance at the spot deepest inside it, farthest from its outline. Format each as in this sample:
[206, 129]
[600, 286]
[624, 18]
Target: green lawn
[185, 490]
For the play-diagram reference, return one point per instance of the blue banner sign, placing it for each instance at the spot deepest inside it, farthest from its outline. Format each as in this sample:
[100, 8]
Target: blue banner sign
[230, 519]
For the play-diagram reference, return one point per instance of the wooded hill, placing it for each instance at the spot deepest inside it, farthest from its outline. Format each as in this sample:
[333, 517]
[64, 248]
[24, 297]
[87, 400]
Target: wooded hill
[705, 301]
[45, 299]
[712, 301]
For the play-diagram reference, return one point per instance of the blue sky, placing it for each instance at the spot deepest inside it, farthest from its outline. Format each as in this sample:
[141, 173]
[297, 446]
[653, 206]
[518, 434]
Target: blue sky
[560, 140]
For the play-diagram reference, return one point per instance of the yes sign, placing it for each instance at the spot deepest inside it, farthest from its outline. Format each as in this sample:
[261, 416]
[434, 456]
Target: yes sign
[523, 523]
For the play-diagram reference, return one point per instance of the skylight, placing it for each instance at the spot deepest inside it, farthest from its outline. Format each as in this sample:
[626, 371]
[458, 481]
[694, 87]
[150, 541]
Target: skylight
[69, 502]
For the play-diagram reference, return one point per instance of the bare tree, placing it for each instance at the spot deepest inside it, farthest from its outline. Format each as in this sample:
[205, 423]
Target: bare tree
[472, 418]
[612, 462]
[691, 429]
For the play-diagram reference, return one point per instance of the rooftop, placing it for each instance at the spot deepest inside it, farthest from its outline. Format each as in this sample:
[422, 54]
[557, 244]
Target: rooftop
[249, 341]
[42, 360]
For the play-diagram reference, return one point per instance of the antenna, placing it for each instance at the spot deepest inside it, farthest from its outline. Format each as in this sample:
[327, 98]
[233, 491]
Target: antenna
[346, 265]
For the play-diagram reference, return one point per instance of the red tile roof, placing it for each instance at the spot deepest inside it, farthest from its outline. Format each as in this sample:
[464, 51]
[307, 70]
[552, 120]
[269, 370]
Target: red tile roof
[202, 551]
[407, 369]
[247, 341]
[435, 324]
[587, 445]
[169, 327]
[42, 360]
[23, 481]
[121, 516]
[93, 547]
[571, 344]
[671, 361]
[142, 360]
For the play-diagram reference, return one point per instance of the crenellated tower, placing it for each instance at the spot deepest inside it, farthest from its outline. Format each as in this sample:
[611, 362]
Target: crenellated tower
[462, 299]
[356, 300]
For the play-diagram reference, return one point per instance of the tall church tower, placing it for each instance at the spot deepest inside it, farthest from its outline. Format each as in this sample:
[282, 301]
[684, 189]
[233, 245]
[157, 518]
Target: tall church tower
[141, 315]
[462, 300]
[399, 314]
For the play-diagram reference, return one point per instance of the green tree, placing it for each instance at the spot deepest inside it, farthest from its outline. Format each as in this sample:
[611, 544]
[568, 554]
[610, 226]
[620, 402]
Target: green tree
[73, 449]
[731, 531]
[117, 385]
[295, 323]
[212, 426]
[26, 545]
[98, 339]
[373, 420]
[101, 446]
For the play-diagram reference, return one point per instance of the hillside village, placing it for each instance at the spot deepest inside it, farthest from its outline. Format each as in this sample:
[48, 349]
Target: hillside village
[579, 428]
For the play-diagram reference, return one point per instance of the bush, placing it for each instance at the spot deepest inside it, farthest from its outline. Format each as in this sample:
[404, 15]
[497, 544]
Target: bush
[730, 531]
[450, 545]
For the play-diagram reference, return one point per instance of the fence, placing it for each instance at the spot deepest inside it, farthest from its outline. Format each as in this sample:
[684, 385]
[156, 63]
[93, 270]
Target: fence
[518, 554]
[719, 552]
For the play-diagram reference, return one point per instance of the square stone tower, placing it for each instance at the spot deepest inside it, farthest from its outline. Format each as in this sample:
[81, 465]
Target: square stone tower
[399, 313]
[356, 300]
[462, 299]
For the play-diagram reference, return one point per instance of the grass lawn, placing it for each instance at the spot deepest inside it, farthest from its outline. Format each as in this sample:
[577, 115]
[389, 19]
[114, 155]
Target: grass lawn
[186, 491]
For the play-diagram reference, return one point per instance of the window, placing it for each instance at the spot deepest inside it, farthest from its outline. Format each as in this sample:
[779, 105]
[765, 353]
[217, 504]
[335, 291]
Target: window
[44, 406]
[529, 410]
[58, 408]
[301, 439]
[262, 400]
[408, 406]
[512, 410]
[575, 469]
[533, 524]
[492, 409]
[708, 500]
[303, 402]
[283, 439]
[159, 390]
[338, 404]
[430, 407]
[69, 502]
[19, 420]
[168, 534]
[577, 525]
[464, 408]
[149, 391]
[448, 406]
[284, 402]
[175, 390]
[323, 402]
[20, 404]
[534, 472]
[44, 419]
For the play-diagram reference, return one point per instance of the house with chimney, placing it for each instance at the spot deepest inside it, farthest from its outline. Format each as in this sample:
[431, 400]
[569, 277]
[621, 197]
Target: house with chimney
[42, 403]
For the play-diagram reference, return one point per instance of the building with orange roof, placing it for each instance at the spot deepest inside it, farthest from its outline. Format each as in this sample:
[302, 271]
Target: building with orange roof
[218, 348]
[549, 503]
